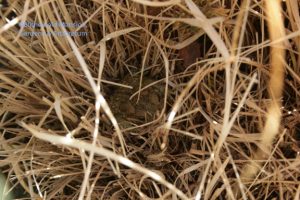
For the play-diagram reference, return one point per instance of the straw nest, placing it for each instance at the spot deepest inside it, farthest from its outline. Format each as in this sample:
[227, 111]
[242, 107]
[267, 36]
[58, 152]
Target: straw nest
[150, 99]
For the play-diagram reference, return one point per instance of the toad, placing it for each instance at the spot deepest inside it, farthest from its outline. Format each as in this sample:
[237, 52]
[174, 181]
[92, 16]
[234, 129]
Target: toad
[140, 108]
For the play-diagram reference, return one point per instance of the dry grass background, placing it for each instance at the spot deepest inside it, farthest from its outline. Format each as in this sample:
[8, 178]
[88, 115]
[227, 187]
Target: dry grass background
[229, 127]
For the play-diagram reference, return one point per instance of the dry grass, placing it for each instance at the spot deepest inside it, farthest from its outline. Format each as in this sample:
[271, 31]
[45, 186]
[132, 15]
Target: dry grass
[228, 72]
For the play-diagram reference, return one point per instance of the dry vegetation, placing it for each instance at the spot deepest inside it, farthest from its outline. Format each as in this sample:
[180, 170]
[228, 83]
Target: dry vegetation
[226, 73]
